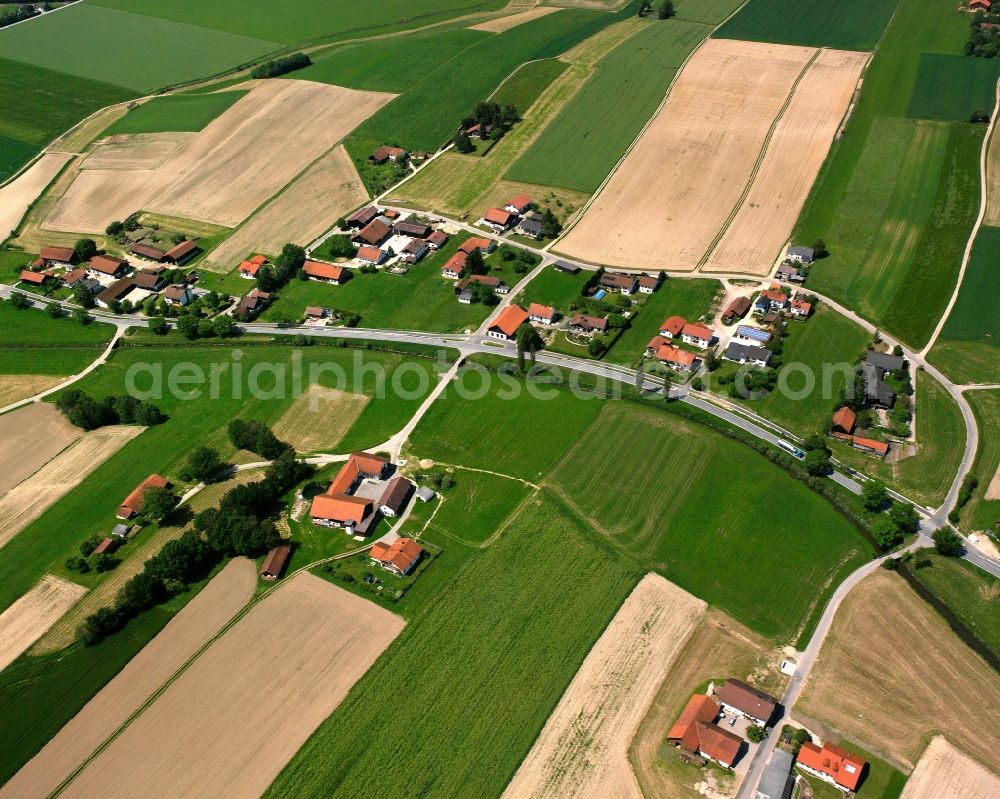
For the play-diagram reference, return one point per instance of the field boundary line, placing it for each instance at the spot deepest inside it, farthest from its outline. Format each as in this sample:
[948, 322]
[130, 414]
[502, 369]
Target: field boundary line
[755, 170]
[487, 471]
[983, 199]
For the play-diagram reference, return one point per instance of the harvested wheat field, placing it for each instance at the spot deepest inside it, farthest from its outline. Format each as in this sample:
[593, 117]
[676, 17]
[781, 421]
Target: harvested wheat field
[501, 24]
[26, 620]
[63, 632]
[719, 647]
[891, 673]
[30, 498]
[320, 418]
[29, 438]
[228, 724]
[329, 189]
[184, 635]
[231, 167]
[16, 196]
[583, 748]
[944, 772]
[796, 151]
[666, 203]
[139, 151]
[993, 489]
[14, 388]
[992, 215]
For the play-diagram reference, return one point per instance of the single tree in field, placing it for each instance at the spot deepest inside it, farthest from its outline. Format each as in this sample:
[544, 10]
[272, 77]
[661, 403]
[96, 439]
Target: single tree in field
[948, 542]
[205, 464]
[528, 341]
[85, 249]
[644, 7]
[874, 495]
[904, 516]
[885, 533]
[666, 11]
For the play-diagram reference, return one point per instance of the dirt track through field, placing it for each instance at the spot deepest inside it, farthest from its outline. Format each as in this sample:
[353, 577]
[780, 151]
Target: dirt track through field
[501, 24]
[230, 723]
[795, 153]
[190, 629]
[26, 620]
[583, 748]
[320, 418]
[21, 192]
[326, 191]
[230, 168]
[944, 772]
[675, 191]
[30, 498]
[891, 670]
[29, 438]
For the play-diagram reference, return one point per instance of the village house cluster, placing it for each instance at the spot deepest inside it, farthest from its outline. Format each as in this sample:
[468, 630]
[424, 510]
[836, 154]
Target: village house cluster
[878, 396]
[517, 214]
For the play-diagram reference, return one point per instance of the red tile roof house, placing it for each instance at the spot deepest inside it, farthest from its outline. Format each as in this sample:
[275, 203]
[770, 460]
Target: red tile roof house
[648, 283]
[437, 239]
[399, 557]
[520, 204]
[581, 324]
[250, 267]
[980, 5]
[338, 508]
[74, 278]
[871, 446]
[326, 273]
[675, 357]
[697, 335]
[108, 265]
[57, 256]
[542, 314]
[499, 220]
[672, 326]
[368, 255]
[133, 502]
[455, 267]
[485, 246]
[745, 700]
[383, 154]
[34, 278]
[695, 733]
[844, 421]
[801, 309]
[832, 764]
[615, 281]
[506, 324]
[275, 562]
[498, 286]
[374, 233]
[772, 299]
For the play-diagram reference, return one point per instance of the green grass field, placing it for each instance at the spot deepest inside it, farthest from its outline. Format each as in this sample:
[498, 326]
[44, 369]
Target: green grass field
[305, 19]
[389, 65]
[687, 298]
[846, 25]
[200, 420]
[427, 114]
[969, 592]
[826, 344]
[36, 344]
[475, 505]
[504, 639]
[175, 112]
[953, 86]
[146, 52]
[968, 349]
[927, 475]
[623, 93]
[882, 780]
[555, 288]
[981, 513]
[37, 104]
[710, 12]
[481, 432]
[701, 511]
[528, 82]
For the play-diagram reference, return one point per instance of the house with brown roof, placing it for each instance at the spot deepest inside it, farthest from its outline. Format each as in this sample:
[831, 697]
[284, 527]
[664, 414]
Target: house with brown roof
[147, 251]
[800, 309]
[150, 281]
[499, 220]
[395, 496]
[542, 314]
[74, 278]
[384, 153]
[505, 326]
[675, 357]
[695, 733]
[844, 421]
[697, 335]
[584, 325]
[103, 547]
[415, 250]
[437, 239]
[367, 255]
[132, 504]
[374, 233]
[648, 284]
[519, 204]
[182, 252]
[495, 283]
[34, 278]
[250, 267]
[362, 217]
[832, 764]
[772, 299]
[745, 700]
[455, 266]
[108, 265]
[617, 281]
[315, 312]
[736, 310]
[116, 292]
[672, 326]
[400, 557]
[178, 294]
[57, 256]
[326, 273]
[417, 230]
[275, 562]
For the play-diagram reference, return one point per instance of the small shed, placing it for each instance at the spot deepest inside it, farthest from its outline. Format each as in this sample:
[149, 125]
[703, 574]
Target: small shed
[275, 562]
[424, 494]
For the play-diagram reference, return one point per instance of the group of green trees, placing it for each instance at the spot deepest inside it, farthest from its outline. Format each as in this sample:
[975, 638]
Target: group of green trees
[983, 42]
[257, 437]
[87, 413]
[490, 115]
[272, 276]
[192, 326]
[87, 560]
[664, 11]
[281, 66]
[12, 13]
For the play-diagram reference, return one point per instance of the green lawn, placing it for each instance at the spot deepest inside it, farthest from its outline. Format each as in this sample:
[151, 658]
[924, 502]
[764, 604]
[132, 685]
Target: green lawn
[847, 24]
[427, 114]
[303, 20]
[418, 300]
[37, 104]
[528, 82]
[981, 514]
[683, 297]
[475, 505]
[389, 65]
[700, 508]
[882, 780]
[36, 344]
[927, 475]
[970, 593]
[555, 288]
[502, 642]
[628, 85]
[821, 789]
[708, 11]
[129, 49]
[968, 349]
[482, 432]
[818, 353]
[953, 86]
[201, 420]
[175, 112]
